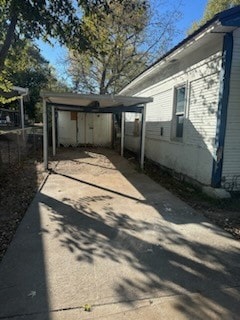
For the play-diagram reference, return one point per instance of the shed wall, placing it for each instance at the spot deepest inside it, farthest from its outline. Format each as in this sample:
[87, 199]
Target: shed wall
[193, 156]
[86, 129]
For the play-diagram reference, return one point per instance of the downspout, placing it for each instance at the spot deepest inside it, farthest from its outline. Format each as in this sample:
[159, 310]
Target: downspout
[224, 90]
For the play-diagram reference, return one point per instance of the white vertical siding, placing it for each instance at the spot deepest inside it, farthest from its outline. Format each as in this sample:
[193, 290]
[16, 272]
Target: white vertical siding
[102, 133]
[90, 128]
[67, 129]
[231, 160]
[194, 155]
[82, 134]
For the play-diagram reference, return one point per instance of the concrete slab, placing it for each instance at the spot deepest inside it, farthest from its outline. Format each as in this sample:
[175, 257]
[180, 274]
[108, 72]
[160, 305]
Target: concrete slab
[101, 233]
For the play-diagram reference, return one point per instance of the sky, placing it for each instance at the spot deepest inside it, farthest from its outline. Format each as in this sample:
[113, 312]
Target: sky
[192, 10]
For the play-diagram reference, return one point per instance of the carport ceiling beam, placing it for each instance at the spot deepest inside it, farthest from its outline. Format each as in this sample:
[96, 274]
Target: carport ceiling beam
[122, 108]
[94, 104]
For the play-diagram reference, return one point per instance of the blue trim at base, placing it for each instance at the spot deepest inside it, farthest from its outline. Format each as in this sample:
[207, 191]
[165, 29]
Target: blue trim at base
[222, 110]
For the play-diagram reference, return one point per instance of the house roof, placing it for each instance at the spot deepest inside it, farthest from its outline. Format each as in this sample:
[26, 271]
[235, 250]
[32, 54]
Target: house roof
[221, 23]
[93, 103]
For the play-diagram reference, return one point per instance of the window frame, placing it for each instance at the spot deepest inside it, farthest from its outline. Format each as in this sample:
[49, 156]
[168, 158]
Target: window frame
[177, 114]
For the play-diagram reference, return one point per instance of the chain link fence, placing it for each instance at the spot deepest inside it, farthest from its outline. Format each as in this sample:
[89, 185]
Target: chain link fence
[17, 145]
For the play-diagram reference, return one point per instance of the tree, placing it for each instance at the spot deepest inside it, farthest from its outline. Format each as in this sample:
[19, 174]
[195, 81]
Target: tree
[14, 64]
[42, 19]
[212, 8]
[121, 44]
[36, 19]
[32, 71]
[111, 54]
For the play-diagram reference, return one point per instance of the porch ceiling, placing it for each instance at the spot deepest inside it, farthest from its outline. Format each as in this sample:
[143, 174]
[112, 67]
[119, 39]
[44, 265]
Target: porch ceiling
[82, 102]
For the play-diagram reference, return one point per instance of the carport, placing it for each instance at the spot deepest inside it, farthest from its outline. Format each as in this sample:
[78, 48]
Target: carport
[91, 104]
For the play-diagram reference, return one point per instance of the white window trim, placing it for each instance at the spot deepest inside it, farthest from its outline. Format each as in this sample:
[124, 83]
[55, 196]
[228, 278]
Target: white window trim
[175, 114]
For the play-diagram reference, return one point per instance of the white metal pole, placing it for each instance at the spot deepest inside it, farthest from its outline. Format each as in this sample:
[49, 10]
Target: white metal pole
[122, 133]
[22, 112]
[45, 136]
[22, 118]
[143, 136]
[53, 132]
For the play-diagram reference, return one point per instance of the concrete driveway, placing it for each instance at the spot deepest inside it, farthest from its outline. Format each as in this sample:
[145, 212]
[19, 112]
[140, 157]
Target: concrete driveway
[103, 234]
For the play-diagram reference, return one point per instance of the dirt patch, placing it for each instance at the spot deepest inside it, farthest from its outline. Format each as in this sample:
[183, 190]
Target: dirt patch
[18, 185]
[224, 213]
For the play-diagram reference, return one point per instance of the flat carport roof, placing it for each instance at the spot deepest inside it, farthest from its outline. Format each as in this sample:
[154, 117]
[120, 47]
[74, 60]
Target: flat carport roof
[91, 103]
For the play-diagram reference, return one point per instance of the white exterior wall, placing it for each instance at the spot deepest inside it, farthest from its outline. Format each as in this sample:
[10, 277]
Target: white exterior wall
[67, 129]
[132, 142]
[231, 160]
[193, 156]
[89, 129]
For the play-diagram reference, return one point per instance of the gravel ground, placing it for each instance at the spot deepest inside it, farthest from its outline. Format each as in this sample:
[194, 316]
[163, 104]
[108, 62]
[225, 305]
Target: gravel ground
[19, 183]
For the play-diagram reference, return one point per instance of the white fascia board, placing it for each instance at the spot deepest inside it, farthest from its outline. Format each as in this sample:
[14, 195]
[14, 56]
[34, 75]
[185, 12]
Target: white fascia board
[62, 97]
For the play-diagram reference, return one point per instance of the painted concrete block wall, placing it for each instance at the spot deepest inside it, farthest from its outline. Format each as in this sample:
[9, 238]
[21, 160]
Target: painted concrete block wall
[88, 129]
[193, 156]
[231, 160]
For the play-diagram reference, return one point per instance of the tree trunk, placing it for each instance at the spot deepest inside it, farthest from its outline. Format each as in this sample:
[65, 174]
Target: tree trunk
[8, 41]
[102, 82]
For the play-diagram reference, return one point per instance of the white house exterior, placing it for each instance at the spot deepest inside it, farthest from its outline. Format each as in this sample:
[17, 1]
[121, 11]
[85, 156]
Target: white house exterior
[193, 123]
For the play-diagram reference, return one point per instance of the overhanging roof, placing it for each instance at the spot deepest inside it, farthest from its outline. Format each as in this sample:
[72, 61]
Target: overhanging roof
[94, 103]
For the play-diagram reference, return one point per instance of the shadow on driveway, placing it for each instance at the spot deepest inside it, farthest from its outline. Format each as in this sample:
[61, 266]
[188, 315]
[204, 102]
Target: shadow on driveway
[114, 236]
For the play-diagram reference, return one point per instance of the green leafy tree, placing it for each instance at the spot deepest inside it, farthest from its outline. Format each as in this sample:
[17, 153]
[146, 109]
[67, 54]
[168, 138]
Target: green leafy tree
[14, 64]
[32, 71]
[111, 55]
[121, 43]
[35, 19]
[213, 7]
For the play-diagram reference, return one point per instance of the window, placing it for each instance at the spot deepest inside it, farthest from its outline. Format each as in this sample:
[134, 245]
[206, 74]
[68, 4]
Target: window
[180, 100]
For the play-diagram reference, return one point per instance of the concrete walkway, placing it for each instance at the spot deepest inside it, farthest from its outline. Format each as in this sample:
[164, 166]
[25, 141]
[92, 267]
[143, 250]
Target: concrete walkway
[101, 233]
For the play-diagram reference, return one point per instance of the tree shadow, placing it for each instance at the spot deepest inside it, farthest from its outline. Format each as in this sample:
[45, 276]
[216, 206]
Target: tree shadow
[154, 258]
